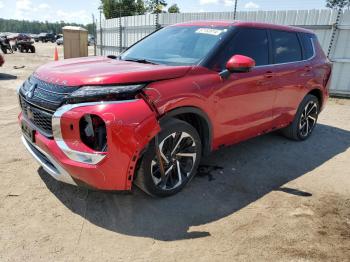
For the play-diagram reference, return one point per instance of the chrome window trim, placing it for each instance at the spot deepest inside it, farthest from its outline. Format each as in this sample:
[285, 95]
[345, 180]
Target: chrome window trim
[81, 157]
[294, 62]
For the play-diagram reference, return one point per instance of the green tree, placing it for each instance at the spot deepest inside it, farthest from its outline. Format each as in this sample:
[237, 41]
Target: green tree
[35, 27]
[118, 8]
[140, 7]
[108, 7]
[174, 9]
[335, 4]
[156, 6]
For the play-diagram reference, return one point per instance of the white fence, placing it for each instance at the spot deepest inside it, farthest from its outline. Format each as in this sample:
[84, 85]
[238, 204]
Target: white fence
[119, 33]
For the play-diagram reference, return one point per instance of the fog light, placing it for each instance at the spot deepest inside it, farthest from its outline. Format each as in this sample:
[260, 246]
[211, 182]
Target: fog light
[93, 132]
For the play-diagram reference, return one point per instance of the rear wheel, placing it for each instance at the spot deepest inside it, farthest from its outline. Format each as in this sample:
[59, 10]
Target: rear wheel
[32, 49]
[305, 119]
[4, 49]
[171, 162]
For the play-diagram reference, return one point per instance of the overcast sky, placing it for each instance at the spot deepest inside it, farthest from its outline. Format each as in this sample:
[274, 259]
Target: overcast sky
[80, 10]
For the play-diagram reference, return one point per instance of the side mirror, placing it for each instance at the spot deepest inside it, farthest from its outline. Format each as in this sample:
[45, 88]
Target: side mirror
[240, 64]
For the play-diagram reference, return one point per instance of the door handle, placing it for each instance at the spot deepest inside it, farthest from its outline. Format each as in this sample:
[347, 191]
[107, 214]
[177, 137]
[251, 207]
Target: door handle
[308, 68]
[268, 74]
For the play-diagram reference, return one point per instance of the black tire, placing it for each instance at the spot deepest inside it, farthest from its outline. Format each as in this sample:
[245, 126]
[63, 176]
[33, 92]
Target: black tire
[187, 141]
[296, 130]
[21, 49]
[14, 48]
[32, 49]
[4, 49]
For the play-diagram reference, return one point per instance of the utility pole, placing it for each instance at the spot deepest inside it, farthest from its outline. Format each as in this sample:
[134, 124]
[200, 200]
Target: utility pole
[100, 8]
[120, 29]
[94, 32]
[157, 15]
[235, 10]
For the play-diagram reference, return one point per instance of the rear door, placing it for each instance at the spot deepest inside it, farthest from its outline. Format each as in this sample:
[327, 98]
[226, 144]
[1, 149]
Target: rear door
[293, 73]
[244, 101]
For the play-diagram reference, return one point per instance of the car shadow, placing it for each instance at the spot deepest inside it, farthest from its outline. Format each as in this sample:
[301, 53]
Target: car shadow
[7, 76]
[242, 174]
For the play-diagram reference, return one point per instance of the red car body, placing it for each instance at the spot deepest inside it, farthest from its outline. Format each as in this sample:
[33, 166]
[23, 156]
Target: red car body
[230, 109]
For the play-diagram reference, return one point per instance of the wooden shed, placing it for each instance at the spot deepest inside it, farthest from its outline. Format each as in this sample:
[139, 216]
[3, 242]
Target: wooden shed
[75, 41]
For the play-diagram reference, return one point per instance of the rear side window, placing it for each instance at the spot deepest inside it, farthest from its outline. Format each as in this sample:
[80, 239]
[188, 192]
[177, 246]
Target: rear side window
[249, 42]
[306, 40]
[285, 47]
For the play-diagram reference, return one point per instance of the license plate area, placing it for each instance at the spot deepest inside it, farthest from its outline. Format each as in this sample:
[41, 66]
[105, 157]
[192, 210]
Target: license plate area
[28, 132]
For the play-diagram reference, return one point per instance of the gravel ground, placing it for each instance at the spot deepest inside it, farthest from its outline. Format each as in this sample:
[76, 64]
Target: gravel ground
[266, 199]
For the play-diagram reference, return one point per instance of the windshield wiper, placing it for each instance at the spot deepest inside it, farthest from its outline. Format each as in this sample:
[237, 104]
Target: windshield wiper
[140, 60]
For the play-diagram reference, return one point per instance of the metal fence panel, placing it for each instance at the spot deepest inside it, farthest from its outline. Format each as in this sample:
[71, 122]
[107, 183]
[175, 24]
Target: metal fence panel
[120, 33]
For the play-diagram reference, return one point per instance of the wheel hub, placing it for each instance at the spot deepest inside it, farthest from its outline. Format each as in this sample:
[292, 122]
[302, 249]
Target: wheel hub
[178, 156]
[308, 119]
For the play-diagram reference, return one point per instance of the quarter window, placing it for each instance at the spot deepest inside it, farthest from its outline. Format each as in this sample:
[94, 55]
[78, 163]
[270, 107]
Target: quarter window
[307, 45]
[286, 47]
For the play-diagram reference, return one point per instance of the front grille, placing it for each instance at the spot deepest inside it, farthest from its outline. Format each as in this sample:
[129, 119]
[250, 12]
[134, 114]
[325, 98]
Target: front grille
[40, 118]
[39, 100]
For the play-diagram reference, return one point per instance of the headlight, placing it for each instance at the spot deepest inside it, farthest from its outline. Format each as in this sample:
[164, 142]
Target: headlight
[103, 93]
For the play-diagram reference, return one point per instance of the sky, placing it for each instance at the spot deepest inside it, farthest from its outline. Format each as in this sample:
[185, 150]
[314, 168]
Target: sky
[80, 11]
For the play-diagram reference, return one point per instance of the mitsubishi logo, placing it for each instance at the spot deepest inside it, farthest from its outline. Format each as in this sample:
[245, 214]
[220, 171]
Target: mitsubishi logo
[30, 91]
[30, 113]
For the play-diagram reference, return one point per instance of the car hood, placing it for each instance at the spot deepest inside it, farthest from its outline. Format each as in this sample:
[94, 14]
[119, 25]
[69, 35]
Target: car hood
[104, 71]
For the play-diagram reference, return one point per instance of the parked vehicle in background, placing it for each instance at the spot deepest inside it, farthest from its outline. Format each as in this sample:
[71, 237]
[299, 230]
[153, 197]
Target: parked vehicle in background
[2, 60]
[149, 115]
[91, 40]
[5, 45]
[59, 41]
[36, 38]
[24, 43]
[47, 37]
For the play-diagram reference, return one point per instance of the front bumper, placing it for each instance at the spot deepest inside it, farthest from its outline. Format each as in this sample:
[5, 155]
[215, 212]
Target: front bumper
[48, 163]
[130, 126]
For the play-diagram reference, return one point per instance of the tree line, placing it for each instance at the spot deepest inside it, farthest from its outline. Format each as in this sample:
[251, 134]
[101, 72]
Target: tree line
[119, 8]
[36, 27]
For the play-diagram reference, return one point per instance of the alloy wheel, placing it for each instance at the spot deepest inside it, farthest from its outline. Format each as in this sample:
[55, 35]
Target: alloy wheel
[178, 154]
[308, 119]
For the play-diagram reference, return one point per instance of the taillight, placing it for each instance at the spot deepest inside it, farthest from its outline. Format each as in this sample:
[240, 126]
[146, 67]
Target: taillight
[93, 132]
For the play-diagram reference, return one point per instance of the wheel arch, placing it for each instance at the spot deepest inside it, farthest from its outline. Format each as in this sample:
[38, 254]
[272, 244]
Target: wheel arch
[319, 94]
[198, 119]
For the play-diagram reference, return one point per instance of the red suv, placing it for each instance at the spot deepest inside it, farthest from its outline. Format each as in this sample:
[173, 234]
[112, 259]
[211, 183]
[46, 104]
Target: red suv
[149, 115]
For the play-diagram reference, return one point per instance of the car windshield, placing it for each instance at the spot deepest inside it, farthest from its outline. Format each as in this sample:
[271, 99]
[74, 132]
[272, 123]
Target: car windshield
[176, 45]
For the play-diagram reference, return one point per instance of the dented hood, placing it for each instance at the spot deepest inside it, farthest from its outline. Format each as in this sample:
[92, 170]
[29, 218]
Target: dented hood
[104, 71]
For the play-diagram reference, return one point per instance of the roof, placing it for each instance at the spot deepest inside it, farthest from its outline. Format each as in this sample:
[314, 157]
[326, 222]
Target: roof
[74, 28]
[225, 23]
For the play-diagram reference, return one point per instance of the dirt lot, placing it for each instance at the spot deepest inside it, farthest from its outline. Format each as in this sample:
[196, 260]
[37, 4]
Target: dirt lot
[267, 199]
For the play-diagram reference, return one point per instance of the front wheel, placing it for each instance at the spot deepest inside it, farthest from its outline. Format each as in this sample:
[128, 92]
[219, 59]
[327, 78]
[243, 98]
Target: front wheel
[305, 119]
[171, 160]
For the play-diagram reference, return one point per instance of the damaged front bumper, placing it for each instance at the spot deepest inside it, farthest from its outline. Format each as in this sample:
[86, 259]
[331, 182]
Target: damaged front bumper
[130, 126]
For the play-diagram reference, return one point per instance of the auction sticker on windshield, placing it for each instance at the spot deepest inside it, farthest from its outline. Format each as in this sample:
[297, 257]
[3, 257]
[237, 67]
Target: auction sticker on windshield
[209, 31]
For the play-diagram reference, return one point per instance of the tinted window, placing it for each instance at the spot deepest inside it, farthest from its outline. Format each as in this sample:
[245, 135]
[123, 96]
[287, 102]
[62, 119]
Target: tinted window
[307, 45]
[249, 42]
[286, 47]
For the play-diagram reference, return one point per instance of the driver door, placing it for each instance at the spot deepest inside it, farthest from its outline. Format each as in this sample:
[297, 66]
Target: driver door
[244, 101]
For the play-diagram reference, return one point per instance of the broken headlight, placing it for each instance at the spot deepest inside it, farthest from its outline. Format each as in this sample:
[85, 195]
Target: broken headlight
[104, 93]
